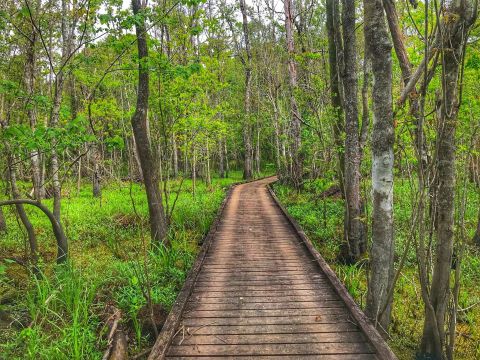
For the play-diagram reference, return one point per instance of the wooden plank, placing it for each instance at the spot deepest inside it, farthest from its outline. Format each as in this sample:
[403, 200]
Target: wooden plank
[271, 329]
[242, 313]
[271, 349]
[277, 293]
[249, 288]
[276, 320]
[293, 338]
[286, 283]
[261, 299]
[286, 357]
[266, 306]
[261, 277]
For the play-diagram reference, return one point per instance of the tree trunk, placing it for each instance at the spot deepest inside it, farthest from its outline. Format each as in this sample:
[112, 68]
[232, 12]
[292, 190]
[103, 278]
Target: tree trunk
[208, 178]
[67, 38]
[38, 186]
[355, 229]
[476, 236]
[3, 223]
[32, 238]
[227, 164]
[158, 224]
[221, 167]
[247, 128]
[295, 124]
[194, 171]
[379, 47]
[455, 26]
[406, 69]
[62, 243]
[175, 156]
[96, 185]
[333, 27]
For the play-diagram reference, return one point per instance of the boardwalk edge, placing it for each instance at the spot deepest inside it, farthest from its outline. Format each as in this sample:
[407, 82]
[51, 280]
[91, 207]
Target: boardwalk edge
[376, 340]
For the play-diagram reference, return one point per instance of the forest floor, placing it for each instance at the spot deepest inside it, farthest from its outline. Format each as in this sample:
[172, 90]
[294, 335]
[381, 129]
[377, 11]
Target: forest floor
[62, 314]
[322, 220]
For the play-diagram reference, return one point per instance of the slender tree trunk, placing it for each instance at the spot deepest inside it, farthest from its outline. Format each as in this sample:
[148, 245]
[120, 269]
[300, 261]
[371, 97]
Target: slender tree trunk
[96, 177]
[257, 151]
[406, 69]
[194, 171]
[247, 128]
[158, 224]
[227, 163]
[67, 38]
[208, 178]
[355, 229]
[459, 16]
[333, 27]
[38, 186]
[175, 156]
[62, 243]
[32, 238]
[3, 223]
[379, 47]
[221, 167]
[476, 236]
[295, 124]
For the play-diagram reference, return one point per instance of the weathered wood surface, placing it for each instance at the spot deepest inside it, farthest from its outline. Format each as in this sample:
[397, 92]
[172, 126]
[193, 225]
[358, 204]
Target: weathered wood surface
[260, 292]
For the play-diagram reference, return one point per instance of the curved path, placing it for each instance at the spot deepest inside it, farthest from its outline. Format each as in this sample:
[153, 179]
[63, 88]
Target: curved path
[259, 293]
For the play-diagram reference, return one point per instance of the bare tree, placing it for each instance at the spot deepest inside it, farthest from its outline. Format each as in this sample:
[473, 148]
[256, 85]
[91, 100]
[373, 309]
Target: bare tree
[378, 46]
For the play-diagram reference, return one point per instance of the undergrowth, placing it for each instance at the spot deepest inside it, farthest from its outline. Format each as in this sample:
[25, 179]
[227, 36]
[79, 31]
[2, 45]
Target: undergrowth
[60, 313]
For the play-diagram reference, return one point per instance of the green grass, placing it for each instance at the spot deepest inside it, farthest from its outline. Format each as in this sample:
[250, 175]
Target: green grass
[322, 220]
[60, 314]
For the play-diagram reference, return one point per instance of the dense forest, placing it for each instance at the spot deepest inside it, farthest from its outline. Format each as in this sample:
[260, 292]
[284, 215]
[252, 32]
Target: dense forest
[123, 124]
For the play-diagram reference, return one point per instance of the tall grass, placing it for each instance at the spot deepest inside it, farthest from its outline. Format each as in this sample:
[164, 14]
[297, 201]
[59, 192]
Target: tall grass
[111, 261]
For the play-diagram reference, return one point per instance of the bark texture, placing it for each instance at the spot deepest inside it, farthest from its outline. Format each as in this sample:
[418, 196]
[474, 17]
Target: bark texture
[379, 47]
[355, 231]
[158, 224]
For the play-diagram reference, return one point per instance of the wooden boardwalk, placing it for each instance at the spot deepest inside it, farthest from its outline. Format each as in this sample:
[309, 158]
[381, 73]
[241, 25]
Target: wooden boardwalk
[258, 291]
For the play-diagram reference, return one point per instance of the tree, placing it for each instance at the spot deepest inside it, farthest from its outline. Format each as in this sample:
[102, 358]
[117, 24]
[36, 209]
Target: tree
[247, 128]
[296, 166]
[355, 231]
[458, 18]
[382, 253]
[158, 224]
[334, 48]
